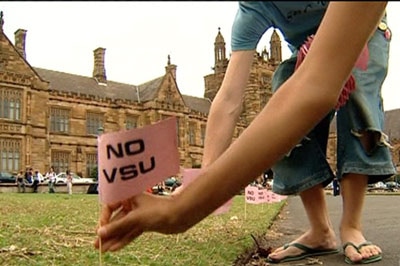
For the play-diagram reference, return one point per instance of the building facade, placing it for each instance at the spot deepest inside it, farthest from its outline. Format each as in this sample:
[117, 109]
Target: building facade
[51, 119]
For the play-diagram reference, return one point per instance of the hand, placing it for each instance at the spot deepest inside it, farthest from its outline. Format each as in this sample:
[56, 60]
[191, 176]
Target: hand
[122, 222]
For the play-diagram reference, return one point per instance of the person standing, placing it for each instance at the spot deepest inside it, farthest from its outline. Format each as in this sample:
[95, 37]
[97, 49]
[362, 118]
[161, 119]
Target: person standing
[291, 130]
[36, 181]
[51, 176]
[20, 182]
[69, 182]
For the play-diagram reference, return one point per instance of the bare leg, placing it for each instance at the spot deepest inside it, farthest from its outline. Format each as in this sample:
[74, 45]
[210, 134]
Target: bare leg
[321, 233]
[353, 188]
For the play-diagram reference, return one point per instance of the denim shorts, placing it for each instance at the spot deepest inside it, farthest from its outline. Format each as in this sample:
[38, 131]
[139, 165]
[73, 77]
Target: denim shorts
[306, 165]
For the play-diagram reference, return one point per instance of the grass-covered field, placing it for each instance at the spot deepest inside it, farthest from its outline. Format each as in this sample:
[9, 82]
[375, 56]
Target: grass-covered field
[58, 229]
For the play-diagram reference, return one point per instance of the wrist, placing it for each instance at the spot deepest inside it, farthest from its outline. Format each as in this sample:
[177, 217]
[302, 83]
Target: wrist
[175, 215]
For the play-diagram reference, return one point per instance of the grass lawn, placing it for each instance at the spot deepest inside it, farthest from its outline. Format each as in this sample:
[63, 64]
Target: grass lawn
[58, 229]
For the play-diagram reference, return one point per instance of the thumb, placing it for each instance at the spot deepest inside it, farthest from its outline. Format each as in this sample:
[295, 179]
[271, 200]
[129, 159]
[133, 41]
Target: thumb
[117, 234]
[119, 227]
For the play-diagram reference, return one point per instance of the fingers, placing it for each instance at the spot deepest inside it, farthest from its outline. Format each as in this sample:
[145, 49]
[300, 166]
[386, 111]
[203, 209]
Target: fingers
[117, 244]
[107, 211]
[119, 233]
[111, 213]
[123, 222]
[118, 226]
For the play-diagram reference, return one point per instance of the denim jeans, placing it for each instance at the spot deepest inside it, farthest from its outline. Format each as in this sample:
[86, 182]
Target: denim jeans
[306, 165]
[51, 186]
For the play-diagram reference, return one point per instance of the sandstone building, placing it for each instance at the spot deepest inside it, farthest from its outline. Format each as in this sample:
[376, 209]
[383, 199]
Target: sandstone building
[50, 118]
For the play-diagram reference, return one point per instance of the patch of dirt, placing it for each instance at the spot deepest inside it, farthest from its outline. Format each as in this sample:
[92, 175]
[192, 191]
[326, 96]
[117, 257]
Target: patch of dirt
[266, 243]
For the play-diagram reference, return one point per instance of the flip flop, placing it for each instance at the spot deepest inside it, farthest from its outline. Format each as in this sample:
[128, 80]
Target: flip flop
[307, 252]
[371, 259]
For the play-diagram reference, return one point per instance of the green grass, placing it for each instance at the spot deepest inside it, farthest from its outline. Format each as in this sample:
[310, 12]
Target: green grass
[58, 229]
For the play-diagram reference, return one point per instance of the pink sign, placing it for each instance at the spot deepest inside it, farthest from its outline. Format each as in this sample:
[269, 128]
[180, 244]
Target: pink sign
[282, 197]
[189, 175]
[131, 161]
[262, 196]
[276, 197]
[251, 194]
[223, 208]
[268, 195]
[255, 195]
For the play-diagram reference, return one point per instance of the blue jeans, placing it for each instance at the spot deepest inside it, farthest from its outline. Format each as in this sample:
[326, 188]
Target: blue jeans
[51, 186]
[306, 165]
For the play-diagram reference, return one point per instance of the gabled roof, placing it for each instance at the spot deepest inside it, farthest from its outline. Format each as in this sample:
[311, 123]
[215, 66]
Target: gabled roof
[66, 82]
[201, 105]
[25, 62]
[60, 81]
[148, 90]
[81, 85]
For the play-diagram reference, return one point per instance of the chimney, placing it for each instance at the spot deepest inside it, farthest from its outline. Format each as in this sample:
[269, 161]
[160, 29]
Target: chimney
[99, 71]
[170, 68]
[20, 35]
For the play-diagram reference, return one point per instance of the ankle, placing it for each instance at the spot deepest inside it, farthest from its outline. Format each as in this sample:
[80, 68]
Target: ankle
[322, 232]
[323, 237]
[351, 234]
[350, 229]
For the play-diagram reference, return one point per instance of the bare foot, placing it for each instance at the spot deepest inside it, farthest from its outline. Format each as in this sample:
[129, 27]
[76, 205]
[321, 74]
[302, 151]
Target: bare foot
[314, 240]
[356, 237]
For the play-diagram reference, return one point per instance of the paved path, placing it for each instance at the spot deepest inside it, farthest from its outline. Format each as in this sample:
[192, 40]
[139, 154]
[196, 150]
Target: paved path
[381, 223]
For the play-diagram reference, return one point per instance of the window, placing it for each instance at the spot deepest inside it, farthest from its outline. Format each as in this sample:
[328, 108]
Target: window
[91, 163]
[59, 120]
[203, 134]
[131, 122]
[10, 104]
[219, 54]
[60, 161]
[192, 134]
[94, 121]
[10, 155]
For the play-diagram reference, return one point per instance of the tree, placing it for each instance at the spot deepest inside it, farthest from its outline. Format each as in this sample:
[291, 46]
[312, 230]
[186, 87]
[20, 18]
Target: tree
[94, 173]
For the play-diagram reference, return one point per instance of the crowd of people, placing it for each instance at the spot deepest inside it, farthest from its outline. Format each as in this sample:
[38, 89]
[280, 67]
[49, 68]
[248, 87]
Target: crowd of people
[28, 178]
[31, 178]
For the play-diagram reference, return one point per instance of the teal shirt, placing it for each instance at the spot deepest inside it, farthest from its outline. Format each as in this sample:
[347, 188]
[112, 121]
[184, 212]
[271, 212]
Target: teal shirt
[296, 20]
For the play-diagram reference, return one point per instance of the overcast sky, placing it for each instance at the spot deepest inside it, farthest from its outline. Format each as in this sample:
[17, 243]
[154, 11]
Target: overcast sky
[139, 36]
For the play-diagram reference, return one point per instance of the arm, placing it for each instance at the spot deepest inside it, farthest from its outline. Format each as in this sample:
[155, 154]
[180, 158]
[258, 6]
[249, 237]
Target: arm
[310, 94]
[226, 107]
